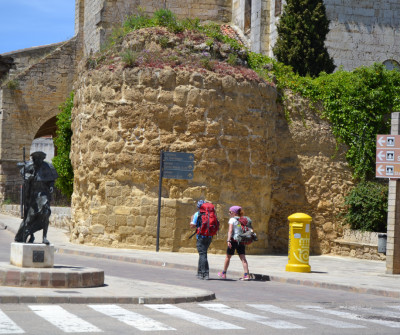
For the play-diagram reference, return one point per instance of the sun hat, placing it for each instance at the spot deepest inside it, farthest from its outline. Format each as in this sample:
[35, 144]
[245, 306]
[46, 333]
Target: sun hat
[235, 209]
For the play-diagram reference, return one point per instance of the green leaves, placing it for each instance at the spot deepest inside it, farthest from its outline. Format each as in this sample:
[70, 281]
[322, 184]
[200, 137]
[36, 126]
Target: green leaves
[62, 141]
[367, 207]
[359, 104]
[302, 31]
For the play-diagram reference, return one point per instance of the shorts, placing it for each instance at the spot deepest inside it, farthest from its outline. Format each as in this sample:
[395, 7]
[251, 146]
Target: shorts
[240, 248]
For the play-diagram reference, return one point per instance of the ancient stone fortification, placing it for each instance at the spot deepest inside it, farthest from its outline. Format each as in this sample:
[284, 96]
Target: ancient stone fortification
[246, 153]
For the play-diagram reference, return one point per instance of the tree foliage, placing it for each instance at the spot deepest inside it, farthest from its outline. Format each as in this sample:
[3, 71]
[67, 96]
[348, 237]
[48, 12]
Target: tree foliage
[302, 31]
[62, 141]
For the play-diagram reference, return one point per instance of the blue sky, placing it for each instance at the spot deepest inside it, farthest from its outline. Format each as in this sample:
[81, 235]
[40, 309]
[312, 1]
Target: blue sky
[29, 23]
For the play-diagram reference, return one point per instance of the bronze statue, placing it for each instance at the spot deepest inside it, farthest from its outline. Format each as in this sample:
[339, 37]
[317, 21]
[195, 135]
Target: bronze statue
[39, 177]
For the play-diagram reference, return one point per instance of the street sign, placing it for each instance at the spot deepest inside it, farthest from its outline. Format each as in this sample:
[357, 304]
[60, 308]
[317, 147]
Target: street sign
[178, 156]
[387, 170]
[387, 141]
[173, 165]
[178, 165]
[176, 174]
[387, 156]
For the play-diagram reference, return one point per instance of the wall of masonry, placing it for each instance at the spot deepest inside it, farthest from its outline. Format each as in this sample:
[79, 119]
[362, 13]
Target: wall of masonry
[363, 32]
[39, 90]
[101, 16]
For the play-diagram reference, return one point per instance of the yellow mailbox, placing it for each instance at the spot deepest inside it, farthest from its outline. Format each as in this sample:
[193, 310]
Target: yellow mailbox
[299, 243]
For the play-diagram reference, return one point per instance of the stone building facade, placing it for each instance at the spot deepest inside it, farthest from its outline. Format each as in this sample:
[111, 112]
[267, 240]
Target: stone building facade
[361, 31]
[288, 164]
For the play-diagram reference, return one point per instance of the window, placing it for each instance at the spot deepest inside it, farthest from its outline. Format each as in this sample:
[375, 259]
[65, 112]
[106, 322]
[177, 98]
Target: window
[278, 7]
[391, 64]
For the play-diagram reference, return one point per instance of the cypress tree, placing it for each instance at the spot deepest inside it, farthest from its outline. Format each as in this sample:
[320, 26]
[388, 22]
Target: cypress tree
[302, 31]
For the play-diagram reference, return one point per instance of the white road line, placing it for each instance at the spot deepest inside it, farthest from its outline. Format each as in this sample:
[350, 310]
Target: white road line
[63, 319]
[198, 319]
[280, 324]
[8, 326]
[304, 316]
[131, 318]
[353, 316]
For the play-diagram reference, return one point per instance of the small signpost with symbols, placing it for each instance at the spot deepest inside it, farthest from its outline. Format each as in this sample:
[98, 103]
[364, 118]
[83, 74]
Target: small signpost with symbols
[387, 156]
[173, 165]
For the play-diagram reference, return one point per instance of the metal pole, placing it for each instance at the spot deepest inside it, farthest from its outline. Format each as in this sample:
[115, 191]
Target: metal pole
[165, 4]
[159, 200]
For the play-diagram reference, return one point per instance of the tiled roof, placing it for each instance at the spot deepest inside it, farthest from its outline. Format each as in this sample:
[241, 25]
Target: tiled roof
[230, 32]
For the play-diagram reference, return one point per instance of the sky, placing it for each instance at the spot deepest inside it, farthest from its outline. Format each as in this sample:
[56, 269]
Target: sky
[30, 23]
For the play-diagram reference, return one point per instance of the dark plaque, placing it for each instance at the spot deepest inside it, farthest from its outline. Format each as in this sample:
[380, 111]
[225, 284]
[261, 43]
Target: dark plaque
[38, 256]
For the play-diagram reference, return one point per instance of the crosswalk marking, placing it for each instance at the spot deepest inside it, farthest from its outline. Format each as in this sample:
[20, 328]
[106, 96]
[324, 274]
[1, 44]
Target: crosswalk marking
[131, 318]
[198, 319]
[352, 316]
[63, 320]
[73, 322]
[280, 324]
[8, 326]
[300, 315]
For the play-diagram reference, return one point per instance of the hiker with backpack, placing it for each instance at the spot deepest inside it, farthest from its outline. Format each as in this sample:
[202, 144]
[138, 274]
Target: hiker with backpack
[239, 225]
[206, 224]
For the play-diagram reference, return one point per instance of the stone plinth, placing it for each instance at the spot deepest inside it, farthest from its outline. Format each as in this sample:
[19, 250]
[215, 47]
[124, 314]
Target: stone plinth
[32, 255]
[59, 276]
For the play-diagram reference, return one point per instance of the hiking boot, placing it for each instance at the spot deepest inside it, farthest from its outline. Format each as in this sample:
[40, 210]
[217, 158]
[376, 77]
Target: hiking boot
[222, 275]
[246, 277]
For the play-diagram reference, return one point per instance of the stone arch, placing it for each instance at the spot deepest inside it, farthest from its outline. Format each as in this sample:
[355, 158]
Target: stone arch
[29, 106]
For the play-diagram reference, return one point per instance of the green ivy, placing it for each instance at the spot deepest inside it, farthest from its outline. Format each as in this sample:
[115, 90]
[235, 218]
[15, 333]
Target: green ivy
[358, 104]
[367, 207]
[62, 141]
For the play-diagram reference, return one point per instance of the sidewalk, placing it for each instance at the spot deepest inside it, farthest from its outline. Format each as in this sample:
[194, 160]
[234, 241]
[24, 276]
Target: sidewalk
[341, 273]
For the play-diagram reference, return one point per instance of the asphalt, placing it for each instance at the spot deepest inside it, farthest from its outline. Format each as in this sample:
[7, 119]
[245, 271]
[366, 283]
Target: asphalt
[331, 272]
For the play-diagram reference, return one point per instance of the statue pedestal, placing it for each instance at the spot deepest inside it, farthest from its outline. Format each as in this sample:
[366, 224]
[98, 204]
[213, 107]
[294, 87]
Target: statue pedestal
[31, 255]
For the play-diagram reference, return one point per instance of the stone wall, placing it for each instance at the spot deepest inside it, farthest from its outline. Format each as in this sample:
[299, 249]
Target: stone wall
[60, 216]
[39, 90]
[121, 121]
[101, 16]
[358, 244]
[363, 32]
[26, 58]
[313, 176]
[246, 151]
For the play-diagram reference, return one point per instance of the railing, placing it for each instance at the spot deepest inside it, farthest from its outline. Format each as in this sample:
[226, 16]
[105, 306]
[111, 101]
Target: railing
[13, 195]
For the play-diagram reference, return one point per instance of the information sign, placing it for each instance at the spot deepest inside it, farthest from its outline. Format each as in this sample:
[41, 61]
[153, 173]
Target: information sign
[387, 156]
[177, 165]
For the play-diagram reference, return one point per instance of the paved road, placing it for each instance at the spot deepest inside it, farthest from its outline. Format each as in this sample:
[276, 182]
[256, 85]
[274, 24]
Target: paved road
[200, 318]
[240, 307]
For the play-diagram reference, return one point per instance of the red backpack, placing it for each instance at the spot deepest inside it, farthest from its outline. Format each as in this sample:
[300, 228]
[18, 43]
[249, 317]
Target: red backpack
[207, 222]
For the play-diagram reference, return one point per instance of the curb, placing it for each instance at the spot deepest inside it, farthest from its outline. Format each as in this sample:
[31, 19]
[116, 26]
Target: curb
[32, 299]
[254, 276]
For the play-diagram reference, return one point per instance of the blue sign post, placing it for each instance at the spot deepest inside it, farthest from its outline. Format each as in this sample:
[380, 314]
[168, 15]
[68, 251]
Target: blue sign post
[173, 165]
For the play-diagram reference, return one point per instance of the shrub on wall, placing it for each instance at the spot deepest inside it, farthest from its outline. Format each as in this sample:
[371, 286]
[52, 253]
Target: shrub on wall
[367, 207]
[62, 141]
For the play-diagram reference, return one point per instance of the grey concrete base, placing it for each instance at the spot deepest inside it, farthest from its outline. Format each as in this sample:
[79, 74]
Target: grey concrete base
[32, 255]
[59, 276]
